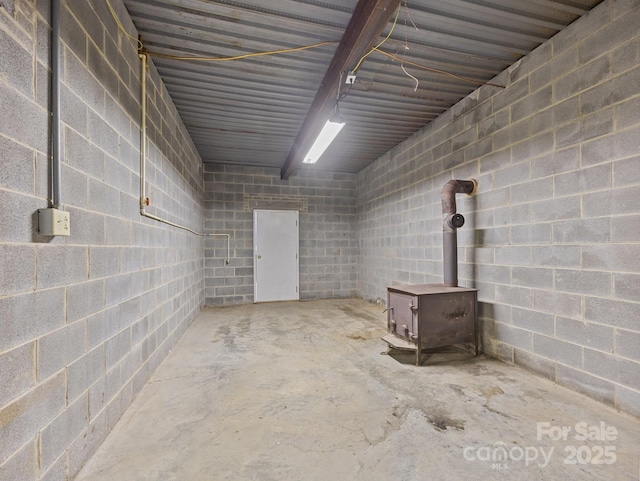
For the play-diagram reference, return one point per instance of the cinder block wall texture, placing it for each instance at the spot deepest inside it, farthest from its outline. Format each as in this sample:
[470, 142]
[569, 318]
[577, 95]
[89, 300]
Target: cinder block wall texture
[328, 245]
[552, 239]
[85, 319]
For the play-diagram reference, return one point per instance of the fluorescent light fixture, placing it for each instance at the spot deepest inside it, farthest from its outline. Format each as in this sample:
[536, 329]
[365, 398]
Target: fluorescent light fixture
[329, 132]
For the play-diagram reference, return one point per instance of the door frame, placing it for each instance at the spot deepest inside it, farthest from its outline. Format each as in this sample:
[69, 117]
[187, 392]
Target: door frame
[255, 255]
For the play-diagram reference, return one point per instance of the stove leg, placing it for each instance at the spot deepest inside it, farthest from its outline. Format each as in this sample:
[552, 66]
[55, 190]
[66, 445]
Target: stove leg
[476, 335]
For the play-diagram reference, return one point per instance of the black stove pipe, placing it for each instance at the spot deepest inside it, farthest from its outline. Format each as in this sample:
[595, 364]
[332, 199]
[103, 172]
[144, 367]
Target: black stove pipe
[452, 221]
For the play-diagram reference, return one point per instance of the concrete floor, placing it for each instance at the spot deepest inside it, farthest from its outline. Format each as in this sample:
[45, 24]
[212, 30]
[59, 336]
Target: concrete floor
[306, 391]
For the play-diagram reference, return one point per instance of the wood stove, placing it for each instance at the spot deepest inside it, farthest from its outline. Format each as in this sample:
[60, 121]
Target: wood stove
[436, 315]
[431, 315]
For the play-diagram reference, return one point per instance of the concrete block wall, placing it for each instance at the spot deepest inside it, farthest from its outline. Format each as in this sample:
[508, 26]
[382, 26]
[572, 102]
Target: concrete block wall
[552, 239]
[326, 205]
[85, 319]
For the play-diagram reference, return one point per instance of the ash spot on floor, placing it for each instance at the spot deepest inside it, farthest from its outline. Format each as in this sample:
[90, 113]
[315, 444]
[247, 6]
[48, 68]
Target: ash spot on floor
[443, 422]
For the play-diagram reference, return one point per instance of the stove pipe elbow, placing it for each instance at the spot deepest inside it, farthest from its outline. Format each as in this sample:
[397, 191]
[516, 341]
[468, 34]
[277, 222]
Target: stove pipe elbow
[451, 222]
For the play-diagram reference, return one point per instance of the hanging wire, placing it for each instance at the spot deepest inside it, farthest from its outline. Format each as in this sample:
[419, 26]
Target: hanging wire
[409, 75]
[406, 43]
[395, 20]
[408, 62]
[336, 108]
[246, 55]
[408, 15]
[436, 70]
[306, 47]
[115, 17]
[345, 93]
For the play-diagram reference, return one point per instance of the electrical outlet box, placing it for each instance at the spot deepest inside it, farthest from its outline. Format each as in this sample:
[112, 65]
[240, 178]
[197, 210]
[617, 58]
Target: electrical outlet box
[53, 222]
[351, 78]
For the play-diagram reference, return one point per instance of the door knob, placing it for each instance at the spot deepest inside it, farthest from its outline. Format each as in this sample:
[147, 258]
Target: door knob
[259, 257]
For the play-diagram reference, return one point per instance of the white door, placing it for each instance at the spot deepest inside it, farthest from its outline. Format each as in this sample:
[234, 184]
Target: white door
[275, 250]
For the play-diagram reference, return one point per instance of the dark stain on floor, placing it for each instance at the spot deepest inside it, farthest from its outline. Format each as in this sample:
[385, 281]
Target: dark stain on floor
[356, 313]
[443, 422]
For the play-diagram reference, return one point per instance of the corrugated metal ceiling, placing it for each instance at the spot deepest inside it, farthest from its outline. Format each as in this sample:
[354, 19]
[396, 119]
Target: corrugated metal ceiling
[249, 111]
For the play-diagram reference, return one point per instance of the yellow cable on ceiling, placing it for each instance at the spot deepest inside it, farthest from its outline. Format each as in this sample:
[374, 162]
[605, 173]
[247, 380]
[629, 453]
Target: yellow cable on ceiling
[246, 55]
[395, 20]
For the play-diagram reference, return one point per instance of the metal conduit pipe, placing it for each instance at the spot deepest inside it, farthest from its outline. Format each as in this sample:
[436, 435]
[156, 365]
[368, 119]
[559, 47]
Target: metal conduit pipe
[144, 201]
[56, 138]
[451, 222]
[143, 131]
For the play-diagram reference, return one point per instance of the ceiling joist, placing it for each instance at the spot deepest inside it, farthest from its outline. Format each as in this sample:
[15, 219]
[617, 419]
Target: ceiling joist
[367, 23]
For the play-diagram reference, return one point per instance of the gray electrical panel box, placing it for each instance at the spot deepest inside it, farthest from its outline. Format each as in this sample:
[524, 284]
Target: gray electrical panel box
[53, 222]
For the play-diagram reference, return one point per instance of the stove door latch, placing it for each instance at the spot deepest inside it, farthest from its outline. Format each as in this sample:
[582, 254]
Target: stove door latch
[392, 321]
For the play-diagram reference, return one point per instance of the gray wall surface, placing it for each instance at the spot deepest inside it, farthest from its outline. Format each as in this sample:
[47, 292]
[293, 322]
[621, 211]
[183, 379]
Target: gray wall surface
[552, 239]
[328, 246]
[85, 319]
